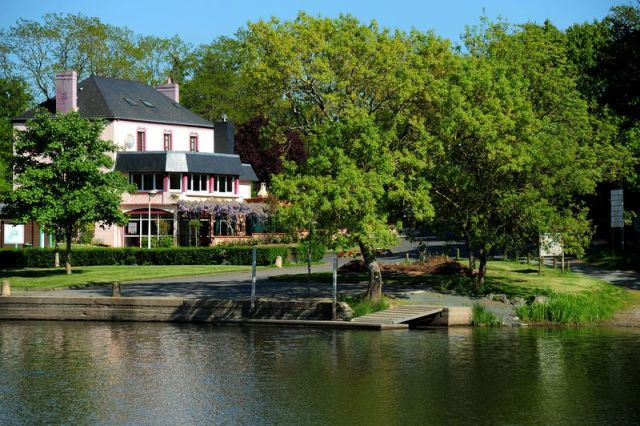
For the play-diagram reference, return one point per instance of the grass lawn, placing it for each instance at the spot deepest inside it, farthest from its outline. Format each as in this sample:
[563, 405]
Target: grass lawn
[84, 275]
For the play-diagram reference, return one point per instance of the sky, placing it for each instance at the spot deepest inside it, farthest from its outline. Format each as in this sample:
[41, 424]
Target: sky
[202, 21]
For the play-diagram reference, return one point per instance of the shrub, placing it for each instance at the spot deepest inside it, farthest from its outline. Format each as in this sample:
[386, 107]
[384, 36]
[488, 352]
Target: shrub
[483, 317]
[361, 307]
[235, 255]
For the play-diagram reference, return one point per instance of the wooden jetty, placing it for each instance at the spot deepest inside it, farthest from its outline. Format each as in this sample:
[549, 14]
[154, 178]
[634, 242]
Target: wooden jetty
[403, 314]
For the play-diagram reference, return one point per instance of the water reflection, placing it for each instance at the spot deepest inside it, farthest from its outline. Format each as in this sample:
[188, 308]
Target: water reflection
[99, 373]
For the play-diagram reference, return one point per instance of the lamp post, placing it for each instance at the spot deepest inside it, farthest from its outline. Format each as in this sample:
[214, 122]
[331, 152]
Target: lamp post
[151, 194]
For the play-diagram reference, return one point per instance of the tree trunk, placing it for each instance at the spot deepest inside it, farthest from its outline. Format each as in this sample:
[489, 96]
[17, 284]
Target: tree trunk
[56, 252]
[374, 290]
[482, 269]
[67, 254]
[472, 261]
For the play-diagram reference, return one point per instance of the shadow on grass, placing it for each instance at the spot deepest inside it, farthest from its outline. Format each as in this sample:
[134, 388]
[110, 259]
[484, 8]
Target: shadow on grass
[527, 271]
[37, 273]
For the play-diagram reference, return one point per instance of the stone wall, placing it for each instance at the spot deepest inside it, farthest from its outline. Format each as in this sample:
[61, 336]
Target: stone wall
[163, 309]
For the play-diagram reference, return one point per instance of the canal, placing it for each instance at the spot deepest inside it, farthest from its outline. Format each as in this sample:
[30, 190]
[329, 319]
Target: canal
[144, 373]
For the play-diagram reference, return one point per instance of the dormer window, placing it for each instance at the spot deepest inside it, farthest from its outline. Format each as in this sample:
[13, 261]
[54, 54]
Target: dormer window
[167, 142]
[147, 102]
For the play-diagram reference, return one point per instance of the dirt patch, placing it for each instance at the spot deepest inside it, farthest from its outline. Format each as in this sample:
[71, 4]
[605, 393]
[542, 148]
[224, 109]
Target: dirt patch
[433, 265]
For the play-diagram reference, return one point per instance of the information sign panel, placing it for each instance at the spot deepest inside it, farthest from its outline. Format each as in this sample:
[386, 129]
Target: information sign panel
[13, 234]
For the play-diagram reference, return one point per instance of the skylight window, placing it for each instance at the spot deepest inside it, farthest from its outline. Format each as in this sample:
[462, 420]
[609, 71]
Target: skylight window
[177, 105]
[130, 101]
[148, 103]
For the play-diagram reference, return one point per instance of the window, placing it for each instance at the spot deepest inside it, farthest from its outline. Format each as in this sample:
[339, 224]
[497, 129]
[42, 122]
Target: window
[148, 103]
[167, 142]
[224, 183]
[193, 143]
[130, 101]
[175, 182]
[147, 181]
[198, 183]
[141, 140]
[137, 230]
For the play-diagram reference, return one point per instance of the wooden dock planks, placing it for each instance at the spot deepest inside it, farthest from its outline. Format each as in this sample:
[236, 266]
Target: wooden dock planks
[400, 314]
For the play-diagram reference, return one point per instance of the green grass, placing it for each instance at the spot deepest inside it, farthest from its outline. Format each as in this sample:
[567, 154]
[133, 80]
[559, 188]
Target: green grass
[84, 275]
[484, 317]
[362, 307]
[573, 309]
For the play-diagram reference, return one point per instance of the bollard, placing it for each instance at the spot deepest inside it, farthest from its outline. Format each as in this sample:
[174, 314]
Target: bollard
[278, 261]
[115, 290]
[6, 289]
[407, 258]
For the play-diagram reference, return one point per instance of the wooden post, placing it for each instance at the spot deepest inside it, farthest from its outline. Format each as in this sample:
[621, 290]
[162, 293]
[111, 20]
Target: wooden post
[407, 257]
[6, 289]
[528, 258]
[458, 253]
[115, 289]
[562, 262]
[540, 265]
[568, 266]
[554, 262]
[253, 279]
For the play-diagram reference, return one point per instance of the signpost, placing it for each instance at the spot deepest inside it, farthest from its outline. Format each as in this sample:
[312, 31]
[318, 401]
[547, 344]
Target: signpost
[617, 215]
[13, 234]
[551, 246]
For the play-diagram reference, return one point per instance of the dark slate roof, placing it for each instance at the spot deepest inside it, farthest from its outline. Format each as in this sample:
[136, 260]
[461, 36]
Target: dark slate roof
[102, 97]
[248, 173]
[189, 162]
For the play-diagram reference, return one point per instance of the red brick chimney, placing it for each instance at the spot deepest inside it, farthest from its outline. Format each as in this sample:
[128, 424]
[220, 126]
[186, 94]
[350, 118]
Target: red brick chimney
[170, 90]
[66, 91]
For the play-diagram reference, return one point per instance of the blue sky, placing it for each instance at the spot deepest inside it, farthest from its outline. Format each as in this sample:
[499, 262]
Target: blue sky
[201, 21]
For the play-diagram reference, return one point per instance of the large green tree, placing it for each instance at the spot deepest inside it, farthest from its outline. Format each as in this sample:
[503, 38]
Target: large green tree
[39, 49]
[62, 172]
[14, 99]
[348, 88]
[516, 146]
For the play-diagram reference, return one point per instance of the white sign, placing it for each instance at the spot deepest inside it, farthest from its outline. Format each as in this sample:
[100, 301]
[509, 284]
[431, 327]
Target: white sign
[550, 245]
[617, 208]
[13, 234]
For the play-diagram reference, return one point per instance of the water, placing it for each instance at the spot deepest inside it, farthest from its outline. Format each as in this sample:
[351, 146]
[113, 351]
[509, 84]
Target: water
[114, 373]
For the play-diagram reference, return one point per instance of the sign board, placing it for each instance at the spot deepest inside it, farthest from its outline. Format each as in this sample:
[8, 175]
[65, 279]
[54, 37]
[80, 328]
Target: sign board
[617, 208]
[13, 234]
[550, 245]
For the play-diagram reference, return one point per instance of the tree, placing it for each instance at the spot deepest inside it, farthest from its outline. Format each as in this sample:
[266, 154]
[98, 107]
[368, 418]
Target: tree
[14, 98]
[37, 50]
[516, 147]
[347, 88]
[255, 146]
[61, 168]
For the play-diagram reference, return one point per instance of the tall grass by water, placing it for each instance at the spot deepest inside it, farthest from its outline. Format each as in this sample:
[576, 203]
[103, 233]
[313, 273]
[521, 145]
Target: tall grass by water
[573, 309]
[361, 306]
[483, 317]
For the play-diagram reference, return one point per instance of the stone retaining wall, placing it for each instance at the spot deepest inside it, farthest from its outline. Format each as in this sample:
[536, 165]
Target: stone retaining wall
[163, 309]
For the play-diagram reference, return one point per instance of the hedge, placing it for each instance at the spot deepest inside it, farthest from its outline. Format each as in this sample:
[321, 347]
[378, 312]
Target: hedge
[234, 255]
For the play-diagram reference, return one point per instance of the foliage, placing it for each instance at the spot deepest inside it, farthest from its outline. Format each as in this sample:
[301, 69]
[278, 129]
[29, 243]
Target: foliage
[573, 309]
[362, 306]
[161, 241]
[215, 209]
[235, 255]
[37, 50]
[516, 147]
[14, 99]
[346, 87]
[483, 317]
[60, 165]
[254, 146]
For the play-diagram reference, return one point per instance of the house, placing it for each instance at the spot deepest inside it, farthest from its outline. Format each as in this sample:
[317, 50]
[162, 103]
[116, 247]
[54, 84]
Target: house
[170, 154]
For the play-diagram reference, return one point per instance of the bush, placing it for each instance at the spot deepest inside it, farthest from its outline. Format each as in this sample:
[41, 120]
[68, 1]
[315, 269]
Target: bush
[484, 317]
[234, 255]
[571, 309]
[362, 307]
